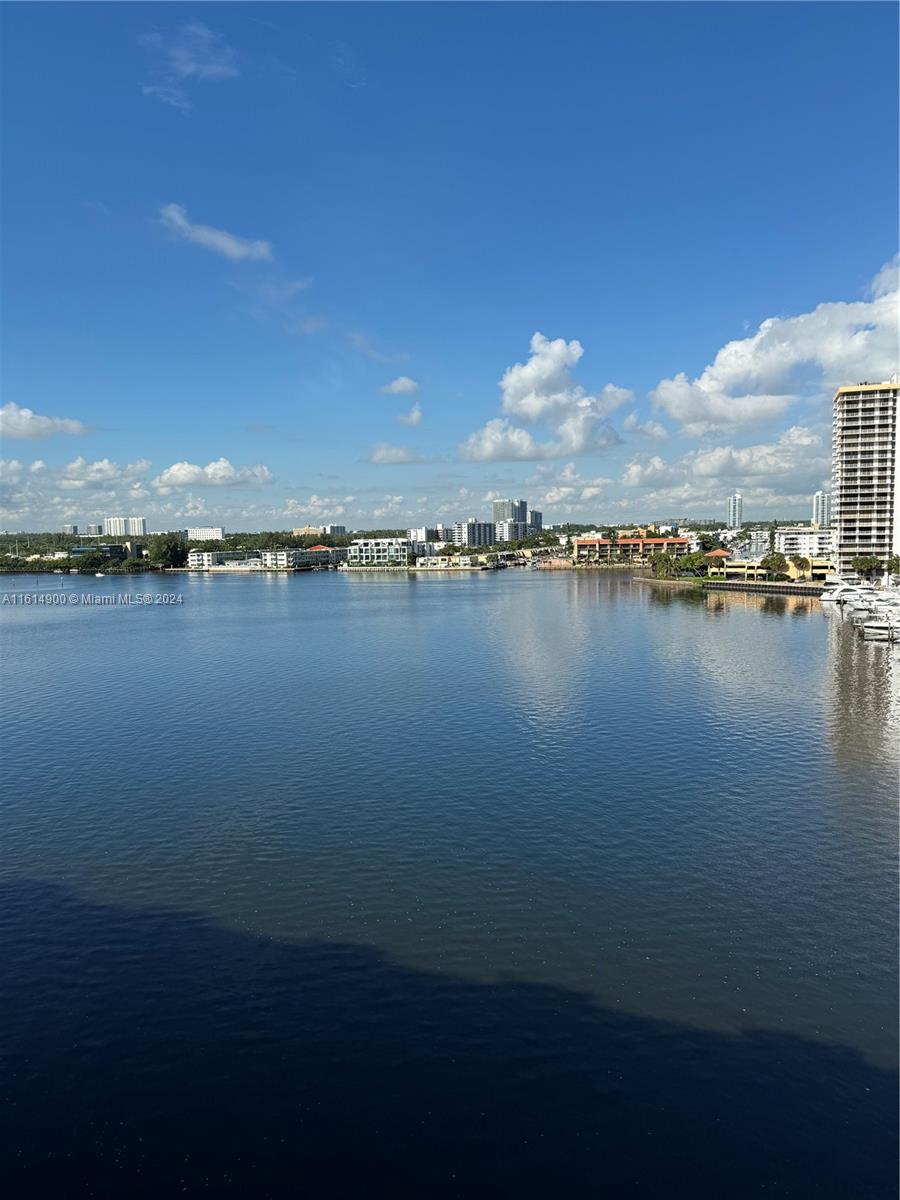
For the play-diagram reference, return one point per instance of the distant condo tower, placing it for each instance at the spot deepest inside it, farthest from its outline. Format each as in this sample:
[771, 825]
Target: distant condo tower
[865, 447]
[821, 512]
[735, 511]
[510, 510]
[125, 526]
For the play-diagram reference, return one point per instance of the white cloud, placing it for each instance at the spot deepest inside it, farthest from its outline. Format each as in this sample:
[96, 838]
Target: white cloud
[413, 417]
[174, 218]
[215, 474]
[401, 386]
[887, 280]
[16, 422]
[798, 452]
[756, 378]
[653, 471]
[318, 506]
[785, 471]
[383, 453]
[390, 508]
[195, 53]
[541, 391]
[569, 489]
[651, 429]
[500, 441]
[80, 474]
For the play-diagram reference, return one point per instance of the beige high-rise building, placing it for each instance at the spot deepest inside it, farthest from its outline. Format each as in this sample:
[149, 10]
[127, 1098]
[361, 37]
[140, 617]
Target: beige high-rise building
[865, 448]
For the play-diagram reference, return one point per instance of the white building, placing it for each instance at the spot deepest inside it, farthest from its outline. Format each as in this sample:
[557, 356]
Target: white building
[474, 532]
[94, 530]
[124, 526]
[280, 560]
[70, 528]
[205, 560]
[205, 533]
[754, 543]
[377, 553]
[511, 531]
[806, 540]
[865, 447]
[735, 510]
[821, 509]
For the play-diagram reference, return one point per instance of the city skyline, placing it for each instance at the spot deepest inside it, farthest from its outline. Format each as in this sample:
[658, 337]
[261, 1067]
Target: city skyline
[397, 328]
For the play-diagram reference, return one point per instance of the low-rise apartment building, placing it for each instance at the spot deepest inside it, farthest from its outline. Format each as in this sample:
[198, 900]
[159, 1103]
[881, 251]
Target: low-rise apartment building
[205, 560]
[628, 549]
[378, 553]
[205, 533]
[807, 541]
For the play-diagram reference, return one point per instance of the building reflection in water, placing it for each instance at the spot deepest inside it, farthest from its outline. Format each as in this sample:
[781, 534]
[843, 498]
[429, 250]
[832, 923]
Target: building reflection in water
[863, 701]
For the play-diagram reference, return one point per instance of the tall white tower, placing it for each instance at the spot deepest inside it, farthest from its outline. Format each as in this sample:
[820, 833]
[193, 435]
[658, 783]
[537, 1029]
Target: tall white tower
[821, 509]
[735, 511]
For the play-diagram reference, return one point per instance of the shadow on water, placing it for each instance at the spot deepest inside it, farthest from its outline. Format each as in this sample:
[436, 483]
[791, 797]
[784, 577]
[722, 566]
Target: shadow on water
[151, 1053]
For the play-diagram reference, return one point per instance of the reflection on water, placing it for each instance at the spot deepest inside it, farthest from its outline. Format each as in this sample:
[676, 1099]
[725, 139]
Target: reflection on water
[654, 797]
[862, 710]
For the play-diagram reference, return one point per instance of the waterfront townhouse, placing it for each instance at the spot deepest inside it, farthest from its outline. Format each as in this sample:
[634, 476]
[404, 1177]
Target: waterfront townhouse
[207, 560]
[635, 550]
[378, 553]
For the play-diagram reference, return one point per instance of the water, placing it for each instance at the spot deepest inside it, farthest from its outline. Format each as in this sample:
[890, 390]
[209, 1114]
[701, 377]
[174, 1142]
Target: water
[514, 884]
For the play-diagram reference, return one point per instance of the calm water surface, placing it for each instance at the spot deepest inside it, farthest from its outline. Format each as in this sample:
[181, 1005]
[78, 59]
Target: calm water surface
[515, 884]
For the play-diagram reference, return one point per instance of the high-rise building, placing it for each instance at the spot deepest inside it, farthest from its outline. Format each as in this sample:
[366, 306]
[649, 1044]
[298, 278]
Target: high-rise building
[535, 520]
[94, 530]
[124, 526]
[510, 510]
[474, 533]
[821, 509]
[70, 528]
[865, 447]
[735, 511]
[334, 530]
[510, 531]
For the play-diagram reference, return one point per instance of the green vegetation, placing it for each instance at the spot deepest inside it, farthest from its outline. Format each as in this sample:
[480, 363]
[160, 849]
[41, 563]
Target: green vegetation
[670, 566]
[775, 564]
[168, 550]
[802, 564]
[867, 564]
[709, 541]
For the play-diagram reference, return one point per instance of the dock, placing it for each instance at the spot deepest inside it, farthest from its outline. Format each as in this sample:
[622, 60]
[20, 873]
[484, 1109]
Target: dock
[764, 589]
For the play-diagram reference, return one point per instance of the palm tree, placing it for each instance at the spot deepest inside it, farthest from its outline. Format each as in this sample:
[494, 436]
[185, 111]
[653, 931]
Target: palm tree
[802, 564]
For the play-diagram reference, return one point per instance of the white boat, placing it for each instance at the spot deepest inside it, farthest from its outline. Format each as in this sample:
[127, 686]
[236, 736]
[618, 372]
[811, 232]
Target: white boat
[100, 574]
[882, 627]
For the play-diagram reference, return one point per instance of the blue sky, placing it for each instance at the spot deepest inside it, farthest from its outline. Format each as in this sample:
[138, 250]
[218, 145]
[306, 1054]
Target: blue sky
[230, 230]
